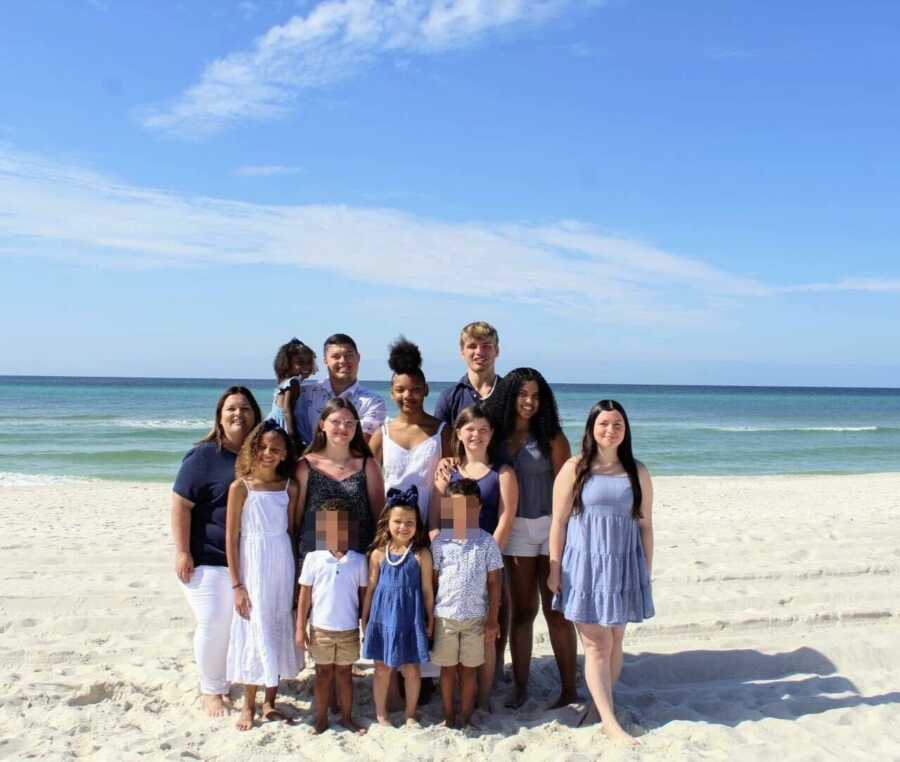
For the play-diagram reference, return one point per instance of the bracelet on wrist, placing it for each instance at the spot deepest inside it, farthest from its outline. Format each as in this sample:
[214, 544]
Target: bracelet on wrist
[239, 584]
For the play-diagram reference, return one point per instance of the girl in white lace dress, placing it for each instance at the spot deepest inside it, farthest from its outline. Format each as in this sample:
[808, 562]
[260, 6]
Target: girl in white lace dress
[262, 504]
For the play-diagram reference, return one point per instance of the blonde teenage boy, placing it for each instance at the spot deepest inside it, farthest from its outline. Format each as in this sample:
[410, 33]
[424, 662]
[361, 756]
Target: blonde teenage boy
[479, 346]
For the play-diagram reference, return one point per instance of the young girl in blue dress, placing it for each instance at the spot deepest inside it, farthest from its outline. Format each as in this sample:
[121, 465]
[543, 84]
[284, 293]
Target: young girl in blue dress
[398, 612]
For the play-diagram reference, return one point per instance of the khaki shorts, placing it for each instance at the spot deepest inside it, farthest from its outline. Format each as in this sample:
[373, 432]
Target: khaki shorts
[458, 641]
[339, 647]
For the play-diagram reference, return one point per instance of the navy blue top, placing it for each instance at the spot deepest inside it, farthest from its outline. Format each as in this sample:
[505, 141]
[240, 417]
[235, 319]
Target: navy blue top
[205, 475]
[455, 398]
[489, 486]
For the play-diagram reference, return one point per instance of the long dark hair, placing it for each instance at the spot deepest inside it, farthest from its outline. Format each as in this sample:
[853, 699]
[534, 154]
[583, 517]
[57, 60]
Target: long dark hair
[589, 452]
[247, 456]
[215, 433]
[467, 415]
[383, 532]
[358, 446]
[501, 408]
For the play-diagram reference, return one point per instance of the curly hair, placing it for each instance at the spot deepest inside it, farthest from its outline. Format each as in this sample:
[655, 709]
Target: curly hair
[250, 449]
[589, 449]
[383, 532]
[405, 359]
[543, 426]
[287, 353]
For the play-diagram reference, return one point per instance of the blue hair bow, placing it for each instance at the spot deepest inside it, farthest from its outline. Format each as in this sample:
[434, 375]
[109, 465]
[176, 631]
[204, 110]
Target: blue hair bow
[397, 497]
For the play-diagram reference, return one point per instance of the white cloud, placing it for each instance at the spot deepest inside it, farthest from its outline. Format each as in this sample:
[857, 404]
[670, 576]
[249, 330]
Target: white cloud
[56, 210]
[331, 42]
[871, 285]
[266, 170]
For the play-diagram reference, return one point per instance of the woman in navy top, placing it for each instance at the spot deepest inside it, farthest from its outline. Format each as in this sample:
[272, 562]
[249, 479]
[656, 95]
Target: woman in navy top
[199, 499]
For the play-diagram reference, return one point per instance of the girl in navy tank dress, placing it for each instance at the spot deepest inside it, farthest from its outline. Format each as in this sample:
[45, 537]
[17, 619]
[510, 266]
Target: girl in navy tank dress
[398, 612]
[601, 550]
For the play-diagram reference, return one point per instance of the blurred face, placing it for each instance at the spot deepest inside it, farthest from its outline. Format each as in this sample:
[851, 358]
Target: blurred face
[340, 426]
[272, 450]
[609, 428]
[528, 400]
[460, 512]
[333, 531]
[237, 418]
[475, 435]
[402, 525]
[408, 393]
[342, 362]
[479, 354]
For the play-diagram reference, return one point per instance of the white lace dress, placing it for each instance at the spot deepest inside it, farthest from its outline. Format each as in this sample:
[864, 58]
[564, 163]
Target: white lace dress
[262, 647]
[403, 468]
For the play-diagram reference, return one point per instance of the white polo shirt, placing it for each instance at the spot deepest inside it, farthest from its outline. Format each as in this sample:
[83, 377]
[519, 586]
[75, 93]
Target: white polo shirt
[335, 587]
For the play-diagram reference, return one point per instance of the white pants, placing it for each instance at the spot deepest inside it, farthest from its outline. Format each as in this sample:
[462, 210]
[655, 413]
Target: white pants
[211, 599]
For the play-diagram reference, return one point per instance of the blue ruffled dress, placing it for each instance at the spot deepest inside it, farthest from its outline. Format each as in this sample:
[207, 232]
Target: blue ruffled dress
[604, 578]
[395, 633]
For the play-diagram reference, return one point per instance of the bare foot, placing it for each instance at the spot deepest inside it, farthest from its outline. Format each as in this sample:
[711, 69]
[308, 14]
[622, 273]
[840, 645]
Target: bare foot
[271, 714]
[245, 718]
[348, 723]
[214, 705]
[617, 734]
[517, 697]
[450, 721]
[412, 722]
[564, 699]
[321, 725]
[473, 721]
[385, 721]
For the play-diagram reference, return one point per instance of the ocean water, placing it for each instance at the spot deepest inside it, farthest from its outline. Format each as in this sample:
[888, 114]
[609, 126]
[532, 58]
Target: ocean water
[138, 429]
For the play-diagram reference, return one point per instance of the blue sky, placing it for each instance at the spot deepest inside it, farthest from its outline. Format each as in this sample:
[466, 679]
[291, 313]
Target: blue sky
[632, 191]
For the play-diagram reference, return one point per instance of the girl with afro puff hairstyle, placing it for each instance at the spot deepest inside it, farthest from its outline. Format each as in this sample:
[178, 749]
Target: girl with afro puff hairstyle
[528, 431]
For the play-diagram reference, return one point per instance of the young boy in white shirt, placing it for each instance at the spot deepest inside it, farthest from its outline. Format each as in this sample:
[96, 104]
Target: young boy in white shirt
[333, 581]
[467, 564]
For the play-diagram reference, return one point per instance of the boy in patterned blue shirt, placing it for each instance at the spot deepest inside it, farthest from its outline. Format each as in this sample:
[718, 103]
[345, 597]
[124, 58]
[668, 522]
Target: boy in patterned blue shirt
[467, 569]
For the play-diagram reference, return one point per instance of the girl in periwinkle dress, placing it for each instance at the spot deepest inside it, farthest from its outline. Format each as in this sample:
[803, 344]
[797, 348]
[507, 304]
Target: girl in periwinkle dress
[601, 550]
[262, 503]
[398, 612]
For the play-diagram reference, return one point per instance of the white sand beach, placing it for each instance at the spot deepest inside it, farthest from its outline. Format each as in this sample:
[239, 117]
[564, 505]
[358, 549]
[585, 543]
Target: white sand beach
[776, 637]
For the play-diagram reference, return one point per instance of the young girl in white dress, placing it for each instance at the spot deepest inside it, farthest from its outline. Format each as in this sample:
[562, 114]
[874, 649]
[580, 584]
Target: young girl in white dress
[262, 503]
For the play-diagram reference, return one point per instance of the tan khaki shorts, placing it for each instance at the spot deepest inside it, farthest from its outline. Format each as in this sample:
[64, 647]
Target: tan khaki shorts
[458, 641]
[339, 647]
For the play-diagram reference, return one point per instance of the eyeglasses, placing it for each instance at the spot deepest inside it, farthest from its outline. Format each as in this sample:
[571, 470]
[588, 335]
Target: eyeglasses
[345, 424]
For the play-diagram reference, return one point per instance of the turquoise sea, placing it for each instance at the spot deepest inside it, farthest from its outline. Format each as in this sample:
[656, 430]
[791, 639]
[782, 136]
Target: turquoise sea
[139, 428]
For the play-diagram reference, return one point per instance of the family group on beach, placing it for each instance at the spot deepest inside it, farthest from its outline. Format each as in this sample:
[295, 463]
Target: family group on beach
[436, 537]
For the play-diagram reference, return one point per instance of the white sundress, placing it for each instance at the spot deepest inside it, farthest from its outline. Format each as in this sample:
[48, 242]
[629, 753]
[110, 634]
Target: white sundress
[262, 648]
[403, 468]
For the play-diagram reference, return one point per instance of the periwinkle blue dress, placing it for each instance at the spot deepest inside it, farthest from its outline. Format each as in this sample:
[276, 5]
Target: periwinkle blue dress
[604, 578]
[395, 633]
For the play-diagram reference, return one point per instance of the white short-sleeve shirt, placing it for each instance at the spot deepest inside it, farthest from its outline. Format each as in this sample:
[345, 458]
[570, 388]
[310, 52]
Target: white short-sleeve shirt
[335, 587]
